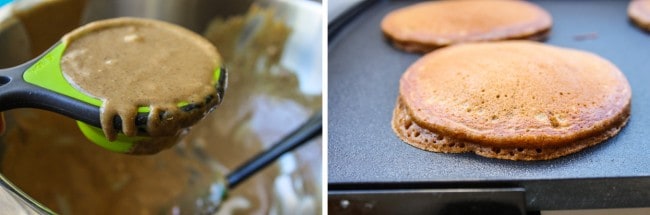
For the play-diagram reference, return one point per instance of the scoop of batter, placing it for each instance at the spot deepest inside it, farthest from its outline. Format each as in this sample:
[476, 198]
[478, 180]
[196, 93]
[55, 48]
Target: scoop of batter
[130, 63]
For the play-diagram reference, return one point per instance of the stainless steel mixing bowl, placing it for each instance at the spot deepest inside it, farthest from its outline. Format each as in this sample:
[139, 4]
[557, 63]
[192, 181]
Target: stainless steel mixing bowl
[302, 55]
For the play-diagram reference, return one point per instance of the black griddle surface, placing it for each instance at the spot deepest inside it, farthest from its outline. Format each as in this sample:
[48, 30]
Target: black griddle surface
[363, 152]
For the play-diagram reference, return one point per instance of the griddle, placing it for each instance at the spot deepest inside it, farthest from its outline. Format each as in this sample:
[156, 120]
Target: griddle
[366, 158]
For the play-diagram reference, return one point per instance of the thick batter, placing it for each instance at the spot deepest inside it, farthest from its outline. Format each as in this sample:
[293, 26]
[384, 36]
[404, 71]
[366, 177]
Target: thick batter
[130, 63]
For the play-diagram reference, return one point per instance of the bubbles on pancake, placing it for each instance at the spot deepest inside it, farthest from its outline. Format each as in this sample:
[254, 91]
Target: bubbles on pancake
[408, 124]
[496, 150]
[494, 106]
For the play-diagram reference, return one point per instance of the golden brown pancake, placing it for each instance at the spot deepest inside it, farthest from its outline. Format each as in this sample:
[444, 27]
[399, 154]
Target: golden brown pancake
[517, 100]
[429, 25]
[639, 12]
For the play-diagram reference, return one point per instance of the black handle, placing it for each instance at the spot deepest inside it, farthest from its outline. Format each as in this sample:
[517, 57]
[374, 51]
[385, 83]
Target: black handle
[307, 131]
[15, 92]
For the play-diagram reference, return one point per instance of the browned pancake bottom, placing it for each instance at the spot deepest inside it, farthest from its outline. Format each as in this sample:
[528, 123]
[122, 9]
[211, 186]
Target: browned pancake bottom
[422, 47]
[419, 137]
[643, 25]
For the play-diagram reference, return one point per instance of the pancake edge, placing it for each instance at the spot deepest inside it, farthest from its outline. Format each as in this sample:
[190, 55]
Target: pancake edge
[423, 48]
[414, 135]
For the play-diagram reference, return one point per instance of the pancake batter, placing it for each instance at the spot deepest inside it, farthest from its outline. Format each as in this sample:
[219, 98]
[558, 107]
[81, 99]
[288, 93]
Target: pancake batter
[131, 62]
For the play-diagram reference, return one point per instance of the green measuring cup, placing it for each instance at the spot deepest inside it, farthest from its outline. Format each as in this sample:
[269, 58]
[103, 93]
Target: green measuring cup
[40, 84]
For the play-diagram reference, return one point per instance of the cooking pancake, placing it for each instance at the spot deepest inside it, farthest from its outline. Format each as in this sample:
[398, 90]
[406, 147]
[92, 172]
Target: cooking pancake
[429, 25]
[517, 100]
[639, 12]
